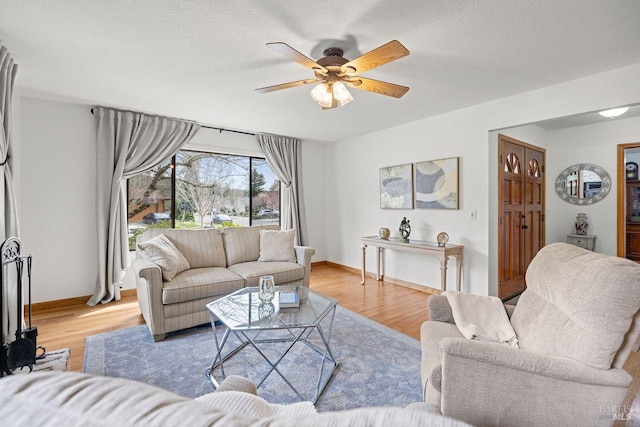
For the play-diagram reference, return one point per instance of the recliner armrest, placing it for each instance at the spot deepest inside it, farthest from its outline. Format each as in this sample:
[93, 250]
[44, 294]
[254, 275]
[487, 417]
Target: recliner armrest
[489, 384]
[534, 363]
[237, 383]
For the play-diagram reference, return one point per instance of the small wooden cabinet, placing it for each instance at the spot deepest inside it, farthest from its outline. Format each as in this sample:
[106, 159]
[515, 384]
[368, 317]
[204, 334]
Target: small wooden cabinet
[585, 241]
[633, 220]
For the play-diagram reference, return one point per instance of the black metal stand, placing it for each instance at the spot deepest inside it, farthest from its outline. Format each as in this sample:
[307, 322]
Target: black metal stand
[21, 352]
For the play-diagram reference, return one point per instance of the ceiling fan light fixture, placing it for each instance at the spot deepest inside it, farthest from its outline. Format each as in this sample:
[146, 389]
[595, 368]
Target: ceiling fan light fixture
[614, 112]
[341, 94]
[319, 92]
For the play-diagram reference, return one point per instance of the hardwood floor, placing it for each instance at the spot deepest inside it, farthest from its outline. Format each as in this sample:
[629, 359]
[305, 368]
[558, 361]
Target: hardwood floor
[398, 307]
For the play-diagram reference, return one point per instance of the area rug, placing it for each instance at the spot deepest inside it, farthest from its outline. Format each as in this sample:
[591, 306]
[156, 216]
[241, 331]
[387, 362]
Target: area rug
[378, 365]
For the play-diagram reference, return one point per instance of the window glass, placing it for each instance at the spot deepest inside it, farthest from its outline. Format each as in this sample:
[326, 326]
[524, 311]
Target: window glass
[265, 194]
[204, 190]
[149, 203]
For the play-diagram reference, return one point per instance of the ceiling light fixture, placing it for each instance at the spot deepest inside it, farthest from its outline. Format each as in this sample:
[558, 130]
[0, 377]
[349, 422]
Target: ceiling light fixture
[614, 112]
[326, 93]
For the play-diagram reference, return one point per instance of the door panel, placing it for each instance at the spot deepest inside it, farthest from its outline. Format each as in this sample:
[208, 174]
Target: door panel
[521, 212]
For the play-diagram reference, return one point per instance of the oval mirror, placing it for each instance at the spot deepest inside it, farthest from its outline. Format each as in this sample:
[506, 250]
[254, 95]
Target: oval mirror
[583, 184]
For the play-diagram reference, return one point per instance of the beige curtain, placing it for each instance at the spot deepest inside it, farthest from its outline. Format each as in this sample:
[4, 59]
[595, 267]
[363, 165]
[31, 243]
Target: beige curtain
[128, 143]
[285, 158]
[9, 224]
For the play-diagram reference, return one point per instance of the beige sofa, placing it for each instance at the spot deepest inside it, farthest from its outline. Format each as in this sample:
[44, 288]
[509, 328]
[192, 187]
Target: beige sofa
[221, 262]
[74, 399]
[576, 324]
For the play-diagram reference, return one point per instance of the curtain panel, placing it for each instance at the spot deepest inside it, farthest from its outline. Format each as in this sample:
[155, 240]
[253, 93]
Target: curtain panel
[128, 143]
[284, 155]
[9, 225]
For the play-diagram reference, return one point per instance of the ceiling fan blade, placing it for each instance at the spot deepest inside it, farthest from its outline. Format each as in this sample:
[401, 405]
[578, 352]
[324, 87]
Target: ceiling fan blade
[294, 55]
[379, 56]
[376, 86]
[287, 85]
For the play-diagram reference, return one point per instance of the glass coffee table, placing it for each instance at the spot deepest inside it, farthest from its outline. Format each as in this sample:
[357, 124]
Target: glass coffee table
[259, 324]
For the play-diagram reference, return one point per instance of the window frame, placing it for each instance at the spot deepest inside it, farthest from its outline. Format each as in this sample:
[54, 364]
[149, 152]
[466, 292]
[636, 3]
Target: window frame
[172, 166]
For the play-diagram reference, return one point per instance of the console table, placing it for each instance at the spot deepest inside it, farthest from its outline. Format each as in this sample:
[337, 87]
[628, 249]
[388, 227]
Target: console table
[417, 246]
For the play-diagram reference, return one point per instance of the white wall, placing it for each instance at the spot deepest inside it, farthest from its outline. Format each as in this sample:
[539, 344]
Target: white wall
[57, 192]
[352, 175]
[595, 144]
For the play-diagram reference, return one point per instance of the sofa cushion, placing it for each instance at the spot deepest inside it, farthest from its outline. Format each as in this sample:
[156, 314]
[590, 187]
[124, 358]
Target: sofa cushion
[276, 245]
[282, 272]
[199, 283]
[162, 252]
[578, 304]
[201, 248]
[242, 244]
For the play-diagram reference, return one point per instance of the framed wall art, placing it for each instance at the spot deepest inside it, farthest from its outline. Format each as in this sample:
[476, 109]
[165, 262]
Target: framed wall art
[437, 184]
[396, 187]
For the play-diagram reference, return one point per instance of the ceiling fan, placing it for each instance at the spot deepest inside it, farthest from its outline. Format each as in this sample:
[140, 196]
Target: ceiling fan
[333, 71]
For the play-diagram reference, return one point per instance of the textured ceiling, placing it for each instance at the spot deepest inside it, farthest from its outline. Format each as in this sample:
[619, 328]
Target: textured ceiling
[202, 59]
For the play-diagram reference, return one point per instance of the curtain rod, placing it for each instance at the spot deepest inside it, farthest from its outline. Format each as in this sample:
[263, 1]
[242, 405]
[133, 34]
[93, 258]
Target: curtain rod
[219, 129]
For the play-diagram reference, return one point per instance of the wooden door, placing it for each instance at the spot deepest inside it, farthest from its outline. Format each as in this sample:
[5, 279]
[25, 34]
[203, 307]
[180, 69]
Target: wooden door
[521, 196]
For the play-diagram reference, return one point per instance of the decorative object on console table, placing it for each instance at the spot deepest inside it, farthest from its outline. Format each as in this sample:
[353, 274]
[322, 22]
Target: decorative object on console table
[581, 224]
[405, 229]
[582, 240]
[266, 288]
[396, 187]
[442, 238]
[437, 184]
[384, 233]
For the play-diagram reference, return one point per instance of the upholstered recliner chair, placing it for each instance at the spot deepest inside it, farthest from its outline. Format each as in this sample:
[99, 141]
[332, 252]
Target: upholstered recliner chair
[576, 323]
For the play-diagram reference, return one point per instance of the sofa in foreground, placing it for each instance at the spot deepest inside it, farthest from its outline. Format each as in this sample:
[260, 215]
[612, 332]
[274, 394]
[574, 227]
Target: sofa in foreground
[175, 279]
[74, 399]
[576, 323]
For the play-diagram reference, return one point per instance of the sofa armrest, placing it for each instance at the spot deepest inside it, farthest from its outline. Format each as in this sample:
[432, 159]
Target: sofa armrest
[148, 278]
[491, 384]
[439, 309]
[303, 257]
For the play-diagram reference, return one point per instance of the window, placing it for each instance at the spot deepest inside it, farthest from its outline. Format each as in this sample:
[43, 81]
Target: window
[200, 190]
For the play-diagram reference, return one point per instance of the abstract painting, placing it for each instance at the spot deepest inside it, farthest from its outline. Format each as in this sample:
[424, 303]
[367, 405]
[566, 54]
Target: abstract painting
[396, 187]
[437, 184]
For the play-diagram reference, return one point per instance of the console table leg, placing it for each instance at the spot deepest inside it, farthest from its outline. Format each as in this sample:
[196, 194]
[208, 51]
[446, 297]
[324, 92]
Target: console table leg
[378, 260]
[443, 272]
[363, 248]
[458, 271]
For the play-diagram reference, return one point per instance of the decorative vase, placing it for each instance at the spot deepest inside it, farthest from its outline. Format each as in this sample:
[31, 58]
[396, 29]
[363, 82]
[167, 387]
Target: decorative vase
[384, 233]
[266, 288]
[405, 229]
[581, 224]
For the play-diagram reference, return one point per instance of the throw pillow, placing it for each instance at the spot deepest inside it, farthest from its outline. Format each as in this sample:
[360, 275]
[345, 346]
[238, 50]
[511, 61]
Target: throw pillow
[277, 245]
[163, 252]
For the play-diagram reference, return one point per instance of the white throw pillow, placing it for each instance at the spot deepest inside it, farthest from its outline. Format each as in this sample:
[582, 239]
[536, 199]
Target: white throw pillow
[161, 251]
[277, 245]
